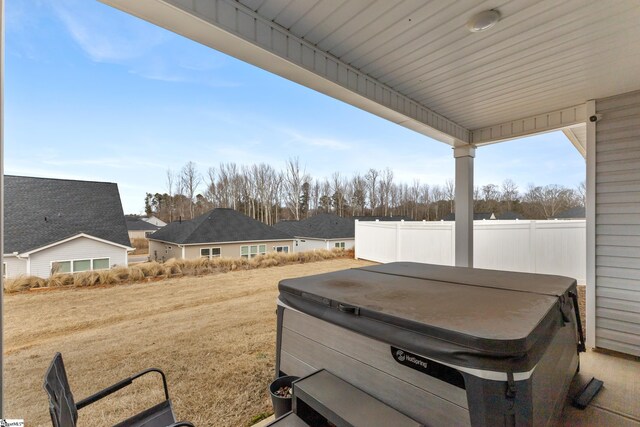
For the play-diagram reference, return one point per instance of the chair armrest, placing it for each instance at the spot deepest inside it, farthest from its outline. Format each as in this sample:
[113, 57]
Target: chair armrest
[120, 385]
[182, 424]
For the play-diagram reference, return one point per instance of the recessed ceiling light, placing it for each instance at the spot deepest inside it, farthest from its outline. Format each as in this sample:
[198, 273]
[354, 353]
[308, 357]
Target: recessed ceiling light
[483, 21]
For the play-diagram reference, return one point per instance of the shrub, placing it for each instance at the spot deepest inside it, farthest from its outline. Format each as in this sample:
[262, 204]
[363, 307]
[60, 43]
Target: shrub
[23, 283]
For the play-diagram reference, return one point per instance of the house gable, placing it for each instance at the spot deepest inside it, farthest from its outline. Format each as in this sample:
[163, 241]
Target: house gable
[79, 247]
[42, 211]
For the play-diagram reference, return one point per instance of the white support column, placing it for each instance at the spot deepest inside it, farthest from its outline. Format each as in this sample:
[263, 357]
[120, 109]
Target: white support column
[464, 205]
[591, 226]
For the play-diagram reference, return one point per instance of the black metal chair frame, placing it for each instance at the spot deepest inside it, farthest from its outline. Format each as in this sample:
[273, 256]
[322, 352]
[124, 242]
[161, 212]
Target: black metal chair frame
[110, 390]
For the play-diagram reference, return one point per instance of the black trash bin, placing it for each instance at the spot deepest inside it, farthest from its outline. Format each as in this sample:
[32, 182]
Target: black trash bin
[281, 405]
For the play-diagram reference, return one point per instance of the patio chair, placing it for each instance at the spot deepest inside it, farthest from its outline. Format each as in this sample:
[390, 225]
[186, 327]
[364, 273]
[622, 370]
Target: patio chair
[64, 410]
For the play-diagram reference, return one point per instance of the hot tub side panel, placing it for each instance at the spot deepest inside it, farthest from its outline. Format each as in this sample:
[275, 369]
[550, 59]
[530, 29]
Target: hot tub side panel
[308, 344]
[553, 375]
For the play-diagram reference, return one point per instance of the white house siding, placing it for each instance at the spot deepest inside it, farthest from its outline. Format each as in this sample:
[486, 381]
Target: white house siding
[162, 251]
[139, 234]
[617, 224]
[15, 266]
[80, 248]
[232, 250]
[155, 221]
[307, 244]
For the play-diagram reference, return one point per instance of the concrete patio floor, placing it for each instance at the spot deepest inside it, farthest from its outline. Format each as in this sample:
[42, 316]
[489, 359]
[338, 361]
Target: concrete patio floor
[617, 404]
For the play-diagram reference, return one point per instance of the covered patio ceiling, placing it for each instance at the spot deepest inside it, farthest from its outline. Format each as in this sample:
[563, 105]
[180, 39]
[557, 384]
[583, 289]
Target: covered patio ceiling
[415, 63]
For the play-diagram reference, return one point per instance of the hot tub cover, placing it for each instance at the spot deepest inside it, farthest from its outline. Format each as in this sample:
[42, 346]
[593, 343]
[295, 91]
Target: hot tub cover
[483, 319]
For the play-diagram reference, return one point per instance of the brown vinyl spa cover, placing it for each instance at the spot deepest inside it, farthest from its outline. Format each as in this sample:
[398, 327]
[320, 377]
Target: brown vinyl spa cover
[482, 319]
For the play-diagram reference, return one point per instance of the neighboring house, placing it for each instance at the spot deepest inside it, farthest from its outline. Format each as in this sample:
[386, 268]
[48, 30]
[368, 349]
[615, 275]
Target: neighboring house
[510, 215]
[138, 228]
[477, 216]
[155, 221]
[322, 231]
[217, 233]
[383, 218]
[59, 225]
[573, 213]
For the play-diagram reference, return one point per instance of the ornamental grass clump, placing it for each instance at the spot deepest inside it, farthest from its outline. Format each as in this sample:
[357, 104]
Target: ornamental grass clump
[23, 283]
[171, 268]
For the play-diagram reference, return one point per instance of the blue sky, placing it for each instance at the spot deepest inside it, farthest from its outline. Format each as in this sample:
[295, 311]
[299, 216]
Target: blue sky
[93, 93]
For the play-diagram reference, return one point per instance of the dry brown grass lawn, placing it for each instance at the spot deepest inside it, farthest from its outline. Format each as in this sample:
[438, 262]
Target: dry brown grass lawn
[214, 336]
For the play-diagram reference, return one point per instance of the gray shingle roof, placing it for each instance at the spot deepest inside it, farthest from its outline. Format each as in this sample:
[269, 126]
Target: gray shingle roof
[41, 211]
[477, 216]
[578, 212]
[138, 224]
[510, 215]
[322, 226]
[216, 226]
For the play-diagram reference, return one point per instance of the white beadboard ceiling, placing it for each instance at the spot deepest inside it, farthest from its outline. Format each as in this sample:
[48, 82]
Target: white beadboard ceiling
[415, 63]
[542, 55]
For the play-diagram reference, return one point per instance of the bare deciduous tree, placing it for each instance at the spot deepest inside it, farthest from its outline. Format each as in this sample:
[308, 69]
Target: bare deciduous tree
[372, 178]
[190, 178]
[510, 193]
[294, 178]
[449, 190]
[268, 195]
[582, 193]
[170, 204]
[386, 181]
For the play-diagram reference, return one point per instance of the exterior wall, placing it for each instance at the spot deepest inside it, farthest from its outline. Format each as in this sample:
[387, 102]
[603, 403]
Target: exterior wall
[80, 248]
[307, 244]
[15, 266]
[551, 247]
[162, 251]
[155, 221]
[139, 234]
[617, 223]
[232, 250]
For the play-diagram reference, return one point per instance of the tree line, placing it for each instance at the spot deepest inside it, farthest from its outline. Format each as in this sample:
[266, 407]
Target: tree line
[269, 195]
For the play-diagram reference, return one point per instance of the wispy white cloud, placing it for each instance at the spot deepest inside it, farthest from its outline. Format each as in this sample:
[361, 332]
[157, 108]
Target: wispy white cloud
[146, 50]
[315, 141]
[104, 39]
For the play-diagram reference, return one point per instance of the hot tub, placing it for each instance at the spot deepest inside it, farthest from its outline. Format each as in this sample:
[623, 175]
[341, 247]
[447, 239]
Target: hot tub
[445, 346]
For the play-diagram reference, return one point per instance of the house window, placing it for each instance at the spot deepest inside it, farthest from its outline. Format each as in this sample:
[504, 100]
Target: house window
[284, 249]
[61, 267]
[81, 265]
[339, 245]
[251, 251]
[78, 265]
[101, 263]
[209, 253]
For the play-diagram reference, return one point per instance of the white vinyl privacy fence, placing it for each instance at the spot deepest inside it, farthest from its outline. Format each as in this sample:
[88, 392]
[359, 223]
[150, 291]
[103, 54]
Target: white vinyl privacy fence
[552, 247]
